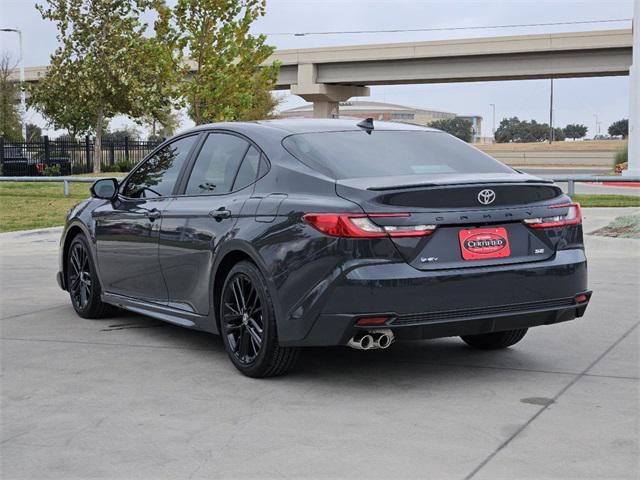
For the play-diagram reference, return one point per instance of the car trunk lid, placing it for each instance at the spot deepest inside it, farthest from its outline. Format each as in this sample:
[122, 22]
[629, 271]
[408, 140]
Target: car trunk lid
[479, 218]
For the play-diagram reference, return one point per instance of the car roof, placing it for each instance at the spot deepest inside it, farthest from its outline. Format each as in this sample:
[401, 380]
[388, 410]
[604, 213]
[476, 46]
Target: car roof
[311, 125]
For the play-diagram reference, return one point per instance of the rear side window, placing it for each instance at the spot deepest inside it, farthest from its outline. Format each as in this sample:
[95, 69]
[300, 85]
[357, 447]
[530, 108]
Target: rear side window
[356, 154]
[248, 170]
[217, 164]
[157, 176]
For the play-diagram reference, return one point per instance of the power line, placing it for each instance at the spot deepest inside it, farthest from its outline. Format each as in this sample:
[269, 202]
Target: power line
[443, 29]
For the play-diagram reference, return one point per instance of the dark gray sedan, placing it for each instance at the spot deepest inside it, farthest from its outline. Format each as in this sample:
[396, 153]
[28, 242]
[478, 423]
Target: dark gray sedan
[291, 233]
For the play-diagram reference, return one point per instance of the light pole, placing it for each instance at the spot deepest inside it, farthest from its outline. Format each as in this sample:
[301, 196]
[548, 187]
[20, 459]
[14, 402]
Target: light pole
[551, 113]
[23, 97]
[493, 107]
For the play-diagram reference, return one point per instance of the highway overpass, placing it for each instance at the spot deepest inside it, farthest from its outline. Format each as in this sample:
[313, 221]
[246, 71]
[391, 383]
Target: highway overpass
[328, 75]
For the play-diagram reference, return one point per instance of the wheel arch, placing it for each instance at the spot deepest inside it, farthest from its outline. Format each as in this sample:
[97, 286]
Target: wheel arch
[72, 232]
[233, 253]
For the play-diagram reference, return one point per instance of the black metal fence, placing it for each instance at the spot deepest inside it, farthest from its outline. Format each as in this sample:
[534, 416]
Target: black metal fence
[67, 157]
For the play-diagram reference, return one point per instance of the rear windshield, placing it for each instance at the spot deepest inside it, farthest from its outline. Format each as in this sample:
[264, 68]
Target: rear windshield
[356, 154]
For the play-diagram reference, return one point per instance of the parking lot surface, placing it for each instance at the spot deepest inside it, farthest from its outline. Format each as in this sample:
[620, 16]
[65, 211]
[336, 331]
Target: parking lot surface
[130, 397]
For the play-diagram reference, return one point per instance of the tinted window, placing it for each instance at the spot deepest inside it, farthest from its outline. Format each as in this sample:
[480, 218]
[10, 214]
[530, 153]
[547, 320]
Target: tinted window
[357, 154]
[217, 164]
[248, 170]
[158, 175]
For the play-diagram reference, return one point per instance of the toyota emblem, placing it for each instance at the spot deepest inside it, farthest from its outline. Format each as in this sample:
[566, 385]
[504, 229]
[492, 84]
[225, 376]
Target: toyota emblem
[486, 197]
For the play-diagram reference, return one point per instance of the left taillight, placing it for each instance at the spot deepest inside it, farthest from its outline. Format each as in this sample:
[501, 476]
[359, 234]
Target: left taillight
[572, 217]
[349, 225]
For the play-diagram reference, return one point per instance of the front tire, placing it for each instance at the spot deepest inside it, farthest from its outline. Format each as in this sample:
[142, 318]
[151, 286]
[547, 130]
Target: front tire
[495, 340]
[248, 325]
[82, 281]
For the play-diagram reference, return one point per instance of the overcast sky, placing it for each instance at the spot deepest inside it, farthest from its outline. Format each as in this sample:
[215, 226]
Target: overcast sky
[575, 100]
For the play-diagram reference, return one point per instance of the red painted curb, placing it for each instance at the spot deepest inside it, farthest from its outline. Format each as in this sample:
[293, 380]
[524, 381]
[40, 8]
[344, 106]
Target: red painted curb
[617, 184]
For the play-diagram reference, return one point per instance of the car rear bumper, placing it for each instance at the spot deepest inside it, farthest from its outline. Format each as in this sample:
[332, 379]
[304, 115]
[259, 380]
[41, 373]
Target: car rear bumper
[443, 303]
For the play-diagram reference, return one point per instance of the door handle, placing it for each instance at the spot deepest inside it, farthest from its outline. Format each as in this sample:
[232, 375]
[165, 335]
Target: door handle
[152, 214]
[220, 214]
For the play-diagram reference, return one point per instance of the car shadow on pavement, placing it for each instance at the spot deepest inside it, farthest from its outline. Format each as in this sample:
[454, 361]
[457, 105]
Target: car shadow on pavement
[426, 357]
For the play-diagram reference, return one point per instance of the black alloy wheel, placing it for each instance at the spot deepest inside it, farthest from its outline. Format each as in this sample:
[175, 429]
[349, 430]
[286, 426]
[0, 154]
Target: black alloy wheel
[82, 282]
[248, 325]
[242, 317]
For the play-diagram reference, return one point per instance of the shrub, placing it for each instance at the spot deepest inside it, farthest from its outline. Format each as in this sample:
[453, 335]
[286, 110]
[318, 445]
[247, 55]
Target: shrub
[51, 171]
[621, 156]
[123, 166]
[78, 168]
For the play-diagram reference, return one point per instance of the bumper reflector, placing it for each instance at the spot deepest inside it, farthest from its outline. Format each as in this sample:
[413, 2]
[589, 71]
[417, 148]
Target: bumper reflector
[372, 321]
[581, 298]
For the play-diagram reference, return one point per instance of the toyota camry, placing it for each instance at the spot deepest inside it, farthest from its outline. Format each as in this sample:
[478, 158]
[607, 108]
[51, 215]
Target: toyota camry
[283, 234]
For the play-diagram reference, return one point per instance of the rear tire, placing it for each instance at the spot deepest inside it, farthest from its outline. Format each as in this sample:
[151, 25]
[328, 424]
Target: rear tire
[248, 325]
[495, 340]
[82, 281]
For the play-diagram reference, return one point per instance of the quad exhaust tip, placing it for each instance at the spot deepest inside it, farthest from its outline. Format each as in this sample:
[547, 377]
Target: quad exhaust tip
[372, 339]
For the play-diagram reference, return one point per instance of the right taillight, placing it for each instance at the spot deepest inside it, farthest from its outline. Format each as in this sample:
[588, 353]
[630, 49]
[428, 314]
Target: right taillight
[572, 217]
[351, 225]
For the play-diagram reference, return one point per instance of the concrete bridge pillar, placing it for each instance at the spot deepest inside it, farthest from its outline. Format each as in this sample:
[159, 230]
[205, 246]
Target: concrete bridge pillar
[325, 97]
[634, 98]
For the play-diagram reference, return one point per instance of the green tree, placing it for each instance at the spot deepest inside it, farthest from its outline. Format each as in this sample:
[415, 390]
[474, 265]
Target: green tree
[619, 128]
[10, 121]
[34, 132]
[102, 66]
[514, 130]
[458, 127]
[131, 133]
[558, 134]
[225, 79]
[162, 123]
[575, 130]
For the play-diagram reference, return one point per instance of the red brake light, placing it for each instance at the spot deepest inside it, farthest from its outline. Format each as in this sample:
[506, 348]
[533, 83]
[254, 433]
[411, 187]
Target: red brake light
[356, 225]
[573, 217]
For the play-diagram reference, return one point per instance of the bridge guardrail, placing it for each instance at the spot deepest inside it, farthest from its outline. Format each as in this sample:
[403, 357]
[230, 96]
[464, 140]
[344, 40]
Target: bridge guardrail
[571, 180]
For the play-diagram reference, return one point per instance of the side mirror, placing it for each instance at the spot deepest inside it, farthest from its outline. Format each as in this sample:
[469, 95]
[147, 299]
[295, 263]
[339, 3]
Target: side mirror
[105, 188]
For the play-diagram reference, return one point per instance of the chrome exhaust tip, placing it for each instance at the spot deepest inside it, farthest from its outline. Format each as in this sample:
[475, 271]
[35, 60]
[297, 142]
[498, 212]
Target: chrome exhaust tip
[366, 342]
[362, 342]
[385, 341]
[371, 340]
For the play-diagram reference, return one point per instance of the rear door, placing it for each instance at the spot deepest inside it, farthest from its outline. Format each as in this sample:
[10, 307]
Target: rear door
[196, 222]
[127, 229]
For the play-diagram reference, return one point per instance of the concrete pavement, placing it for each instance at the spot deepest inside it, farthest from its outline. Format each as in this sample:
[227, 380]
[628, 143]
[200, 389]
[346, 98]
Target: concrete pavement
[131, 397]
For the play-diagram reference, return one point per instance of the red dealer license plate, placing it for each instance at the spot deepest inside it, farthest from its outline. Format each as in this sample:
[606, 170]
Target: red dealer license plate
[480, 243]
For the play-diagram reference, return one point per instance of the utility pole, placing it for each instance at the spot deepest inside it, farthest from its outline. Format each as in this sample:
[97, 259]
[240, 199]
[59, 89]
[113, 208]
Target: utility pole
[597, 129]
[493, 107]
[633, 167]
[23, 95]
[551, 113]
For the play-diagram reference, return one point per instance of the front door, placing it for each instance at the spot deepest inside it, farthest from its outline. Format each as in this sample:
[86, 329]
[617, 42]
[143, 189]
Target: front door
[127, 229]
[195, 223]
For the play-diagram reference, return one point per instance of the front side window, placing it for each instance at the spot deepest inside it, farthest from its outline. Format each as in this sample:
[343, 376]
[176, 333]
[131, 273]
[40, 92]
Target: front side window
[157, 176]
[217, 164]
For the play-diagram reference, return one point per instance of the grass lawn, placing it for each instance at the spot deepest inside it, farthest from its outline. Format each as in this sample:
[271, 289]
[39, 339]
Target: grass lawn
[607, 200]
[24, 206]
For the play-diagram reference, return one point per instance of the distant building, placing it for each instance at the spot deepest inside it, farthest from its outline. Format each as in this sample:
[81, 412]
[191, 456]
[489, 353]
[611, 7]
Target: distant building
[388, 112]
